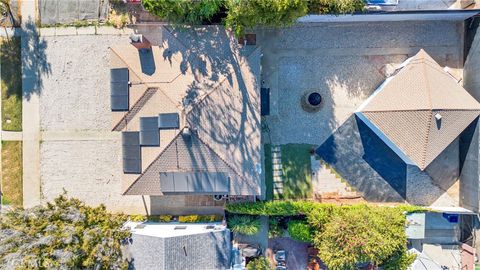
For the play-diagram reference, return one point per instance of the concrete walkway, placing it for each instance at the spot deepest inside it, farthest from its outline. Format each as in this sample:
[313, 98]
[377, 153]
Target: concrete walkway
[30, 107]
[11, 136]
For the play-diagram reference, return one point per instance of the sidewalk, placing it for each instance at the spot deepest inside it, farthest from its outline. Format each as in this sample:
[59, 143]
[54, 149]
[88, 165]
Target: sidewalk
[30, 110]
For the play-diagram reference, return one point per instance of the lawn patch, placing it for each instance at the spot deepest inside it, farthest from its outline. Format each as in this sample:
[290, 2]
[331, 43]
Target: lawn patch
[267, 148]
[12, 173]
[297, 171]
[11, 73]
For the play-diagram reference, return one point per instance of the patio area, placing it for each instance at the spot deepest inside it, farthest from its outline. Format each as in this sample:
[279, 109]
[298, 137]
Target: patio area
[344, 65]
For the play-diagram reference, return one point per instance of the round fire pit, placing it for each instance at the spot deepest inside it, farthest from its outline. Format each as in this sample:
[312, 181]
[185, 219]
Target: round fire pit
[311, 101]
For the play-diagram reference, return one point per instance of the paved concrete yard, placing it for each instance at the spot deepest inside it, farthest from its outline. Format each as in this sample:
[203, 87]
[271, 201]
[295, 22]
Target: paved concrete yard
[76, 95]
[344, 62]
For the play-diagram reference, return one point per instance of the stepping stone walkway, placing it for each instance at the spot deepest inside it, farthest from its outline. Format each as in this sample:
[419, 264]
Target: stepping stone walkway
[277, 171]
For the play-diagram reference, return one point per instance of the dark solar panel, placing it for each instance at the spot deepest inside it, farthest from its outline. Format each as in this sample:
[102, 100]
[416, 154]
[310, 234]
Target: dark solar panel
[195, 182]
[149, 133]
[265, 101]
[168, 121]
[119, 89]
[132, 162]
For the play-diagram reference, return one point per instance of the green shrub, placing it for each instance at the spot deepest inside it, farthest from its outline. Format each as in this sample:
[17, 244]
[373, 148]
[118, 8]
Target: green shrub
[362, 234]
[244, 224]
[335, 6]
[260, 263]
[274, 228]
[160, 218]
[200, 218]
[299, 230]
[246, 14]
[64, 234]
[183, 11]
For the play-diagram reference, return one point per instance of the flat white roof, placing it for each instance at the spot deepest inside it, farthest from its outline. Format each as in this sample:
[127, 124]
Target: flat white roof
[172, 229]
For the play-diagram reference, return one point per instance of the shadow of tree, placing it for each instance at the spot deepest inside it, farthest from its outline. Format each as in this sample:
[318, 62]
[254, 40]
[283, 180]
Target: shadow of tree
[11, 66]
[35, 64]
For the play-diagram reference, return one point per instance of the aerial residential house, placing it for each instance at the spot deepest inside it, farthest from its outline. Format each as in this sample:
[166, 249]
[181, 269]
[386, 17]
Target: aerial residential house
[413, 136]
[179, 246]
[188, 127]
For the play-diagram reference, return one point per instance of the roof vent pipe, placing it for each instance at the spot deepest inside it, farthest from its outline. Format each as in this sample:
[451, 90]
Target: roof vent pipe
[438, 116]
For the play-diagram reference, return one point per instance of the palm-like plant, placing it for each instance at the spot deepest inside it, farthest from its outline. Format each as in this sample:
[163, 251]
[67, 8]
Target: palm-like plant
[244, 224]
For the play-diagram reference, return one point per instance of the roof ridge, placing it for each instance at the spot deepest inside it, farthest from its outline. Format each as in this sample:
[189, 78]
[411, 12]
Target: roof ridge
[147, 84]
[202, 98]
[140, 99]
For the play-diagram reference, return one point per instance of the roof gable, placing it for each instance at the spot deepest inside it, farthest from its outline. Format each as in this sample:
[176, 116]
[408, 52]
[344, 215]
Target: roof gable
[186, 153]
[421, 109]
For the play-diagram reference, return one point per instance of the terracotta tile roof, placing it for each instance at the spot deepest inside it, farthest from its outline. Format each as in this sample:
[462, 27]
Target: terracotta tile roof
[406, 106]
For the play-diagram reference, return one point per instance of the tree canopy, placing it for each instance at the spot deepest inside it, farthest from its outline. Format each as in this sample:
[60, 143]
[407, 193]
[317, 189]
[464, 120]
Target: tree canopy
[64, 234]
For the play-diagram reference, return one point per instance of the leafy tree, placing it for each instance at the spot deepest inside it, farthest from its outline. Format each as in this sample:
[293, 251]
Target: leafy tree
[260, 263]
[299, 230]
[246, 14]
[248, 225]
[335, 6]
[64, 234]
[183, 11]
[361, 234]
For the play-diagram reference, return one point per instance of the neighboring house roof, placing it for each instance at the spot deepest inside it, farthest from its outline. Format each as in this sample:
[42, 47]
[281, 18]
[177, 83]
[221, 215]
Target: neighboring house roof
[406, 106]
[435, 257]
[216, 97]
[166, 247]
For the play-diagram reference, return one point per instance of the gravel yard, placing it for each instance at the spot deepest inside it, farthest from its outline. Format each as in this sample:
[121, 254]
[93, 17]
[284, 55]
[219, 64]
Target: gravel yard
[78, 154]
[87, 170]
[76, 95]
[345, 63]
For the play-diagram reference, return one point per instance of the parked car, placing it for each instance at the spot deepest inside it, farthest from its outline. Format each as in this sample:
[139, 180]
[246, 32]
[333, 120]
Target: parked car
[280, 256]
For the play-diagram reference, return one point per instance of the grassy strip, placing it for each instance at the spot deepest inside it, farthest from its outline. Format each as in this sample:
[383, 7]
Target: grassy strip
[11, 83]
[267, 148]
[12, 173]
[297, 171]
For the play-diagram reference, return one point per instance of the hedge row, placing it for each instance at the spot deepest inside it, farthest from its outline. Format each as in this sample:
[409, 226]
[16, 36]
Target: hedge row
[240, 15]
[183, 219]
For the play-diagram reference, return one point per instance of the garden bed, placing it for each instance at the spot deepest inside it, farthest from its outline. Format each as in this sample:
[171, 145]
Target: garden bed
[12, 173]
[11, 74]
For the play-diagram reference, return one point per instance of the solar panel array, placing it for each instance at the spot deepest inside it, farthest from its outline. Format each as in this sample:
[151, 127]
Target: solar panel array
[132, 160]
[168, 121]
[149, 133]
[209, 183]
[119, 89]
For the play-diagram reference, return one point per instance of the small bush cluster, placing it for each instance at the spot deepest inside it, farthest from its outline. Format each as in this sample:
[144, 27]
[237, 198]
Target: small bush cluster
[274, 228]
[243, 224]
[259, 263]
[184, 11]
[200, 218]
[344, 235]
[299, 230]
[183, 219]
[240, 15]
